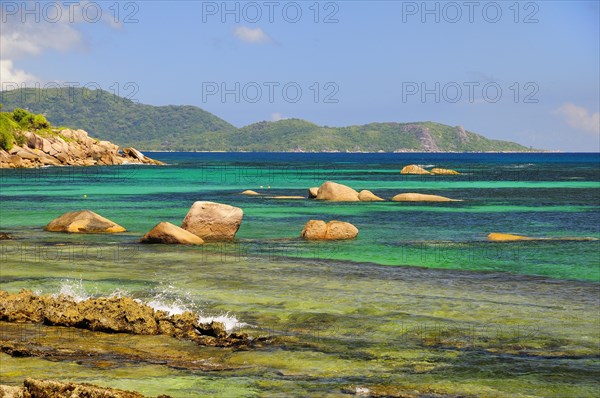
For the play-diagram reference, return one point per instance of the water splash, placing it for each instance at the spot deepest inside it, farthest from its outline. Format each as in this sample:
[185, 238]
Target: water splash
[230, 322]
[74, 290]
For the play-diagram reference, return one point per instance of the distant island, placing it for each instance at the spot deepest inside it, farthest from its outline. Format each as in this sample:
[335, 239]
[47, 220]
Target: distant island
[189, 128]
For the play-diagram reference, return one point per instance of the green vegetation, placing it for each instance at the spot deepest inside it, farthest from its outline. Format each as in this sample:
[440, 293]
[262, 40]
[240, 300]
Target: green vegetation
[12, 125]
[186, 128]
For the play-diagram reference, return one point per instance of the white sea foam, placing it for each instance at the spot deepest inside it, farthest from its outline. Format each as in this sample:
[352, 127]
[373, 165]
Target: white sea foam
[231, 323]
[519, 166]
[163, 301]
[169, 308]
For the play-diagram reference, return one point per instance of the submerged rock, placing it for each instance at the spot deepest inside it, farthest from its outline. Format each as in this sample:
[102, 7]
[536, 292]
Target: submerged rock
[115, 315]
[213, 221]
[413, 169]
[250, 192]
[420, 197]
[500, 237]
[440, 171]
[165, 232]
[5, 236]
[368, 196]
[83, 221]
[494, 236]
[333, 230]
[332, 191]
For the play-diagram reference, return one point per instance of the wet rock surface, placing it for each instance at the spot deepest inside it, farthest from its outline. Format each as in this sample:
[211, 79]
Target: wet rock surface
[116, 315]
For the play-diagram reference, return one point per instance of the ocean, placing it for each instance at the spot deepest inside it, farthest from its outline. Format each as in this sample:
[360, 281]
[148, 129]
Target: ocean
[419, 301]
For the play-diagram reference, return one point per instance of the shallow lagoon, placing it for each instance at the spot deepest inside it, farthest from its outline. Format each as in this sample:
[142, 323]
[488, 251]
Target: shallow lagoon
[480, 319]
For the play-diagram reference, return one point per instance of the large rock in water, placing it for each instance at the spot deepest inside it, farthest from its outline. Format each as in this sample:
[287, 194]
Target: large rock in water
[368, 196]
[421, 197]
[165, 232]
[413, 169]
[213, 221]
[83, 221]
[333, 230]
[335, 192]
[313, 192]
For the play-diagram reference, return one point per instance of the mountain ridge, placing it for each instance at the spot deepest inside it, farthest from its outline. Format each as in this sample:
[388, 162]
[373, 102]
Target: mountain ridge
[190, 128]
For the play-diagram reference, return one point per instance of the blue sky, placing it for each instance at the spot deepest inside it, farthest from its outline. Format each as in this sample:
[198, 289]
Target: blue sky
[521, 71]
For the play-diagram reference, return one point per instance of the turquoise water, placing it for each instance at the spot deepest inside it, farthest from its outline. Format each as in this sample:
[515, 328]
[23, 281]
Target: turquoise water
[420, 301]
[540, 195]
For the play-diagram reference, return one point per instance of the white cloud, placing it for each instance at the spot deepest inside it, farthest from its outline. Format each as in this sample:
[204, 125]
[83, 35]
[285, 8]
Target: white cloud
[253, 36]
[580, 118]
[59, 31]
[277, 116]
[23, 40]
[9, 74]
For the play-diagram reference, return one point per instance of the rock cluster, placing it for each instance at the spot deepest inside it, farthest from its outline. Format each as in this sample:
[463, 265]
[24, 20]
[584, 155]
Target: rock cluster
[333, 230]
[69, 148]
[33, 388]
[334, 192]
[414, 169]
[114, 315]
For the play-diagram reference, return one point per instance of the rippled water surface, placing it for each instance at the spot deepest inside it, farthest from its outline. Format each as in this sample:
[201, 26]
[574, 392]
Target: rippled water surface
[420, 301]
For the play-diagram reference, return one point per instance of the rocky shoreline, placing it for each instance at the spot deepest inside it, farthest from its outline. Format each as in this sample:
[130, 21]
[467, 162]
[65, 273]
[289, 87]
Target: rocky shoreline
[68, 147]
[33, 388]
[117, 315]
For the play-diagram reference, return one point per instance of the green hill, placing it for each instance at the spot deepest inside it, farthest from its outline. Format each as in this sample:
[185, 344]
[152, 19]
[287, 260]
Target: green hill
[186, 128]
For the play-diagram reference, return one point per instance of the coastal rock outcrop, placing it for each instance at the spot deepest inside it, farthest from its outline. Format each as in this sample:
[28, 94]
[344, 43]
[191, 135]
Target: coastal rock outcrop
[333, 230]
[420, 197]
[5, 236]
[213, 221]
[83, 221]
[413, 169]
[68, 147]
[368, 196]
[165, 232]
[334, 192]
[33, 388]
[440, 171]
[114, 315]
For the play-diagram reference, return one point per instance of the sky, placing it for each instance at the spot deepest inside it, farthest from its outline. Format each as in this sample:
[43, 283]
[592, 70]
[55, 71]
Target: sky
[524, 71]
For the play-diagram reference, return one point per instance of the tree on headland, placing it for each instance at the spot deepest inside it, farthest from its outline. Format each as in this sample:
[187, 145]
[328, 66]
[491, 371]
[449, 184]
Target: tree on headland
[12, 125]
